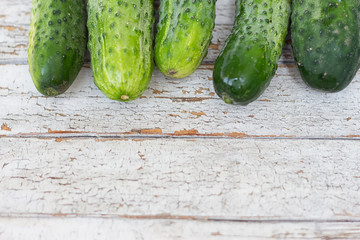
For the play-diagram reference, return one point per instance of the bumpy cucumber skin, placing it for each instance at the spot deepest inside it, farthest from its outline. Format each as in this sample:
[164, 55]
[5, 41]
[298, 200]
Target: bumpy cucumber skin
[57, 44]
[249, 59]
[184, 35]
[121, 46]
[326, 42]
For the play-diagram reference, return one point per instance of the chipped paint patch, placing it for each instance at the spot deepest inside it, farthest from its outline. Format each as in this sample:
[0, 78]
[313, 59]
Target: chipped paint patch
[237, 135]
[187, 132]
[198, 114]
[201, 89]
[12, 28]
[151, 131]
[158, 92]
[62, 132]
[5, 127]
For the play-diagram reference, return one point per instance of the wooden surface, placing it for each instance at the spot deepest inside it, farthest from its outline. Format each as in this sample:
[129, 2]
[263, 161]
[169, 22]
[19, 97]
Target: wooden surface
[177, 163]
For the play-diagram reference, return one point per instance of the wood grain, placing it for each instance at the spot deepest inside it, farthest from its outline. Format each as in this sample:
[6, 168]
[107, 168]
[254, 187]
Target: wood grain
[177, 163]
[94, 229]
[230, 179]
[170, 107]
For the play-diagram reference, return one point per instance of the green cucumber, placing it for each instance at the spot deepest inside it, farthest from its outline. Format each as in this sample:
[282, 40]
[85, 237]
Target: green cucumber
[57, 44]
[184, 35]
[249, 59]
[326, 42]
[121, 46]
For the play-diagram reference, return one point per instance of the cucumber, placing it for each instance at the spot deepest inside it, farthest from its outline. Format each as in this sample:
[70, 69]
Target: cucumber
[326, 42]
[121, 46]
[249, 59]
[184, 35]
[57, 44]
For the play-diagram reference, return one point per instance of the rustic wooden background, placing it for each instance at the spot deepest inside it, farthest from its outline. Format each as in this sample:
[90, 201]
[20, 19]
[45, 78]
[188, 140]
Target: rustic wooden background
[177, 163]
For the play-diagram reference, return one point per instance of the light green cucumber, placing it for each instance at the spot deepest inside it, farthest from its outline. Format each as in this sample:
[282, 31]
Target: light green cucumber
[121, 46]
[184, 34]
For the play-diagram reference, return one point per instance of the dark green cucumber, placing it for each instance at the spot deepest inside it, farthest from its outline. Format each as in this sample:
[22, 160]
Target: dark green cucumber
[184, 34]
[57, 44]
[249, 59]
[121, 46]
[326, 42]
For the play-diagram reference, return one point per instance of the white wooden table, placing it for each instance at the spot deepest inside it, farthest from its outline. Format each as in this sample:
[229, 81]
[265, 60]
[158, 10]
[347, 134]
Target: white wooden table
[177, 163]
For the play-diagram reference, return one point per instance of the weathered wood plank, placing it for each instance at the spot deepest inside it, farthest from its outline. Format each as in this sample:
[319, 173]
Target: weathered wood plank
[94, 229]
[287, 109]
[231, 179]
[109, 165]
[15, 19]
[18, 11]
[14, 42]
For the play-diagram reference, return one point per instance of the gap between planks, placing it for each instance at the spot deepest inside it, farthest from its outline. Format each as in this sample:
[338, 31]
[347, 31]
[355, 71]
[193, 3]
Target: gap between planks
[58, 136]
[172, 217]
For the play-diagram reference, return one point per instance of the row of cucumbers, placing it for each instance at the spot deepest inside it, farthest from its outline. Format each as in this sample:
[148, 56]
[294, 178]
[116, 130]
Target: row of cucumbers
[120, 41]
[325, 37]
